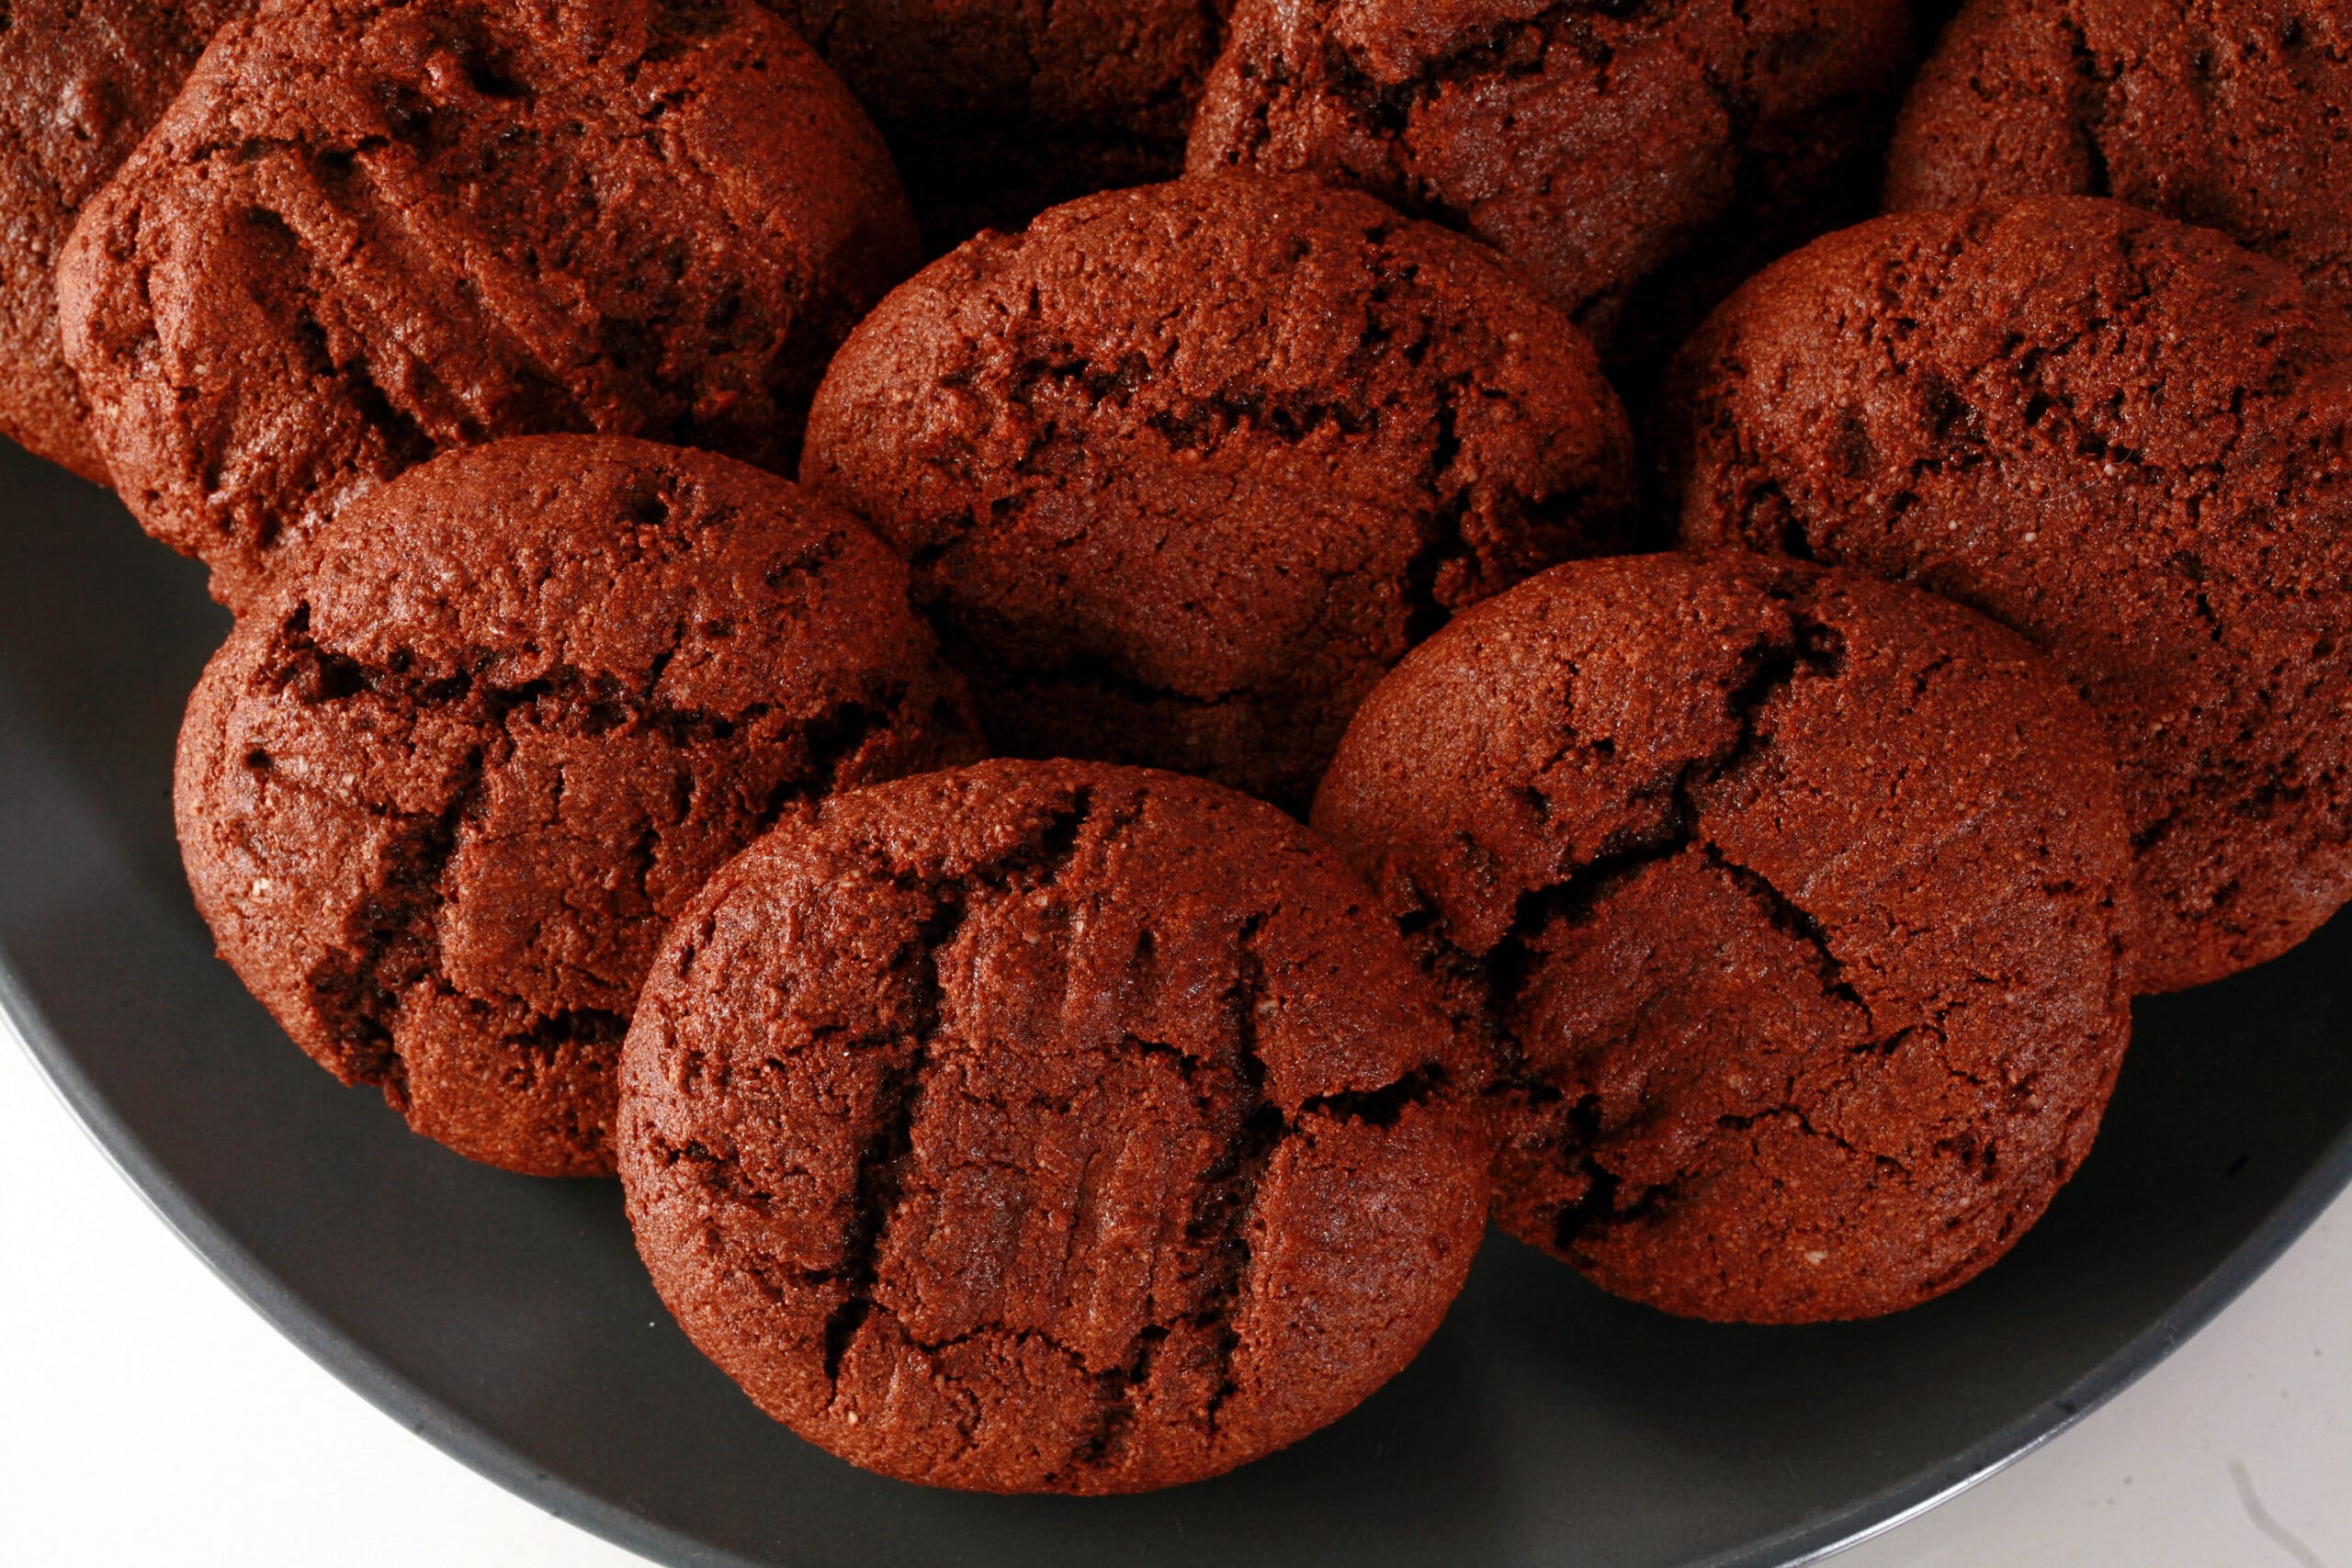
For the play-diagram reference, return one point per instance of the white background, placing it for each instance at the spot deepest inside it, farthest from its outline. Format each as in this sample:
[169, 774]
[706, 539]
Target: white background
[147, 1417]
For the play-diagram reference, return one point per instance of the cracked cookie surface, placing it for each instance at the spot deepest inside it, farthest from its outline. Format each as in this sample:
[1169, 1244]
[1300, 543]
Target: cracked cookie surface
[1048, 1126]
[2123, 437]
[1183, 470]
[369, 232]
[1787, 902]
[2232, 113]
[1597, 143]
[438, 797]
[997, 110]
[80, 82]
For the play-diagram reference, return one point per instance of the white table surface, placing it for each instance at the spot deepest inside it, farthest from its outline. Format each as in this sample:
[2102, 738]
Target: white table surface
[148, 1417]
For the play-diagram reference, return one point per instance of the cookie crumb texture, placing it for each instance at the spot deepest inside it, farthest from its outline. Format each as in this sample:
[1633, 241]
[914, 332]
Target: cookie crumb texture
[1184, 470]
[369, 232]
[997, 110]
[2120, 436]
[1049, 1127]
[439, 797]
[1595, 143]
[80, 82]
[1789, 903]
[2232, 113]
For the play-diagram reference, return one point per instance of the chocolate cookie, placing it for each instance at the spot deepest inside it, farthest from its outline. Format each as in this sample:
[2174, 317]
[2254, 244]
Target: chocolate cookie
[1047, 1127]
[438, 793]
[2234, 114]
[1789, 901]
[1597, 145]
[997, 110]
[2125, 438]
[1183, 470]
[368, 231]
[80, 82]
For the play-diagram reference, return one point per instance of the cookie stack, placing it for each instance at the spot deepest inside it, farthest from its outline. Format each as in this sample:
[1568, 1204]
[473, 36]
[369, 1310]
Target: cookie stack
[1751, 925]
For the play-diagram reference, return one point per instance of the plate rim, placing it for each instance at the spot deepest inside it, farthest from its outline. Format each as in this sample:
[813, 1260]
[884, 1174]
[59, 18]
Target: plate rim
[367, 1375]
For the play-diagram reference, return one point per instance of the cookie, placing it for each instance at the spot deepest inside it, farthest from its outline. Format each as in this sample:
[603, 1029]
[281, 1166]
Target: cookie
[1183, 469]
[80, 82]
[996, 111]
[1790, 903]
[2232, 113]
[369, 232]
[438, 794]
[1047, 1127]
[1609, 151]
[2125, 438]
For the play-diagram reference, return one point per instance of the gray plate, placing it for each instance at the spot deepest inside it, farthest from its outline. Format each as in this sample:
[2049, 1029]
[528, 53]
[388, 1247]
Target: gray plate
[507, 1319]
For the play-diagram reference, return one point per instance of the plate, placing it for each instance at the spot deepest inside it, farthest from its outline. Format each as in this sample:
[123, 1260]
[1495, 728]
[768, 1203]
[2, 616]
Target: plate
[508, 1321]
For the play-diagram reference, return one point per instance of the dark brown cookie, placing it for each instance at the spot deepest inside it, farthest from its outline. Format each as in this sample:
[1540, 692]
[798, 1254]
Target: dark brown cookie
[2125, 438]
[997, 110]
[1183, 470]
[368, 231]
[2234, 114]
[80, 82]
[1677, 141]
[1049, 1127]
[438, 793]
[1790, 903]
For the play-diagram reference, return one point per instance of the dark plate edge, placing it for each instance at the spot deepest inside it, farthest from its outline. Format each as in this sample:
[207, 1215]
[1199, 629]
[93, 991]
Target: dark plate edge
[361, 1373]
[2330, 1174]
[287, 1312]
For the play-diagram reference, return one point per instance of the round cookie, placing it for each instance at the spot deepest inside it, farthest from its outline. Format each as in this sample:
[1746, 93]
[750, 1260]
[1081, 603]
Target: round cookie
[80, 82]
[1049, 1127]
[1789, 902]
[2123, 437]
[996, 111]
[439, 791]
[1183, 469]
[2232, 113]
[1659, 150]
[368, 231]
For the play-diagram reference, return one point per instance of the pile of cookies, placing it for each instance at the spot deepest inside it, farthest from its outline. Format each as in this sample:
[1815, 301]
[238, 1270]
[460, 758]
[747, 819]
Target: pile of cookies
[1389, 828]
